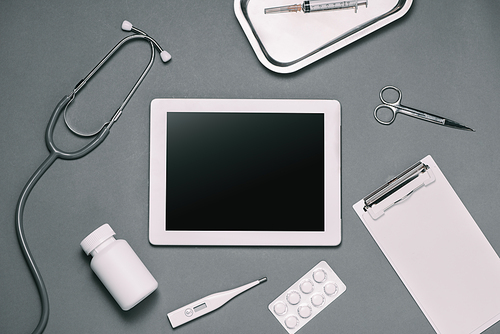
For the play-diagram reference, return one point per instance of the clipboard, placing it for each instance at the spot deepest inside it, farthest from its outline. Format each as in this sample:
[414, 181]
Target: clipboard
[436, 248]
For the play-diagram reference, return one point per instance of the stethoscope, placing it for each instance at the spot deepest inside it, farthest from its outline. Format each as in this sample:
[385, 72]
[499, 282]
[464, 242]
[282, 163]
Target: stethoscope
[56, 153]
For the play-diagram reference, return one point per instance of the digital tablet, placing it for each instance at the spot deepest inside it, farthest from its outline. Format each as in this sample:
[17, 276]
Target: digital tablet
[245, 172]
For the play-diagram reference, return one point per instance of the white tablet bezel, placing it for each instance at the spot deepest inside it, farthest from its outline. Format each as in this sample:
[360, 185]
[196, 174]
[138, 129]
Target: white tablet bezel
[158, 235]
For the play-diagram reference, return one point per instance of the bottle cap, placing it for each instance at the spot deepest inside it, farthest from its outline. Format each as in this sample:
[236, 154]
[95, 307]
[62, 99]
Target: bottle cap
[96, 238]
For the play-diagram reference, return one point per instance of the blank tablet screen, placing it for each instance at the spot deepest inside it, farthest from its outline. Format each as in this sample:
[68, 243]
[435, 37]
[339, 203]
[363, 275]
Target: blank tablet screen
[245, 171]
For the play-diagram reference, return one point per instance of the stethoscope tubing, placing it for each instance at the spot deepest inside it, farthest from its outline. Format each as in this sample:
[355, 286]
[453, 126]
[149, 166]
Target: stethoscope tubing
[49, 135]
[82, 82]
[55, 153]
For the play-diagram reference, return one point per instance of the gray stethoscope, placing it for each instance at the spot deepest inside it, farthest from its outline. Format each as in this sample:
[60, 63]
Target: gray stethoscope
[56, 153]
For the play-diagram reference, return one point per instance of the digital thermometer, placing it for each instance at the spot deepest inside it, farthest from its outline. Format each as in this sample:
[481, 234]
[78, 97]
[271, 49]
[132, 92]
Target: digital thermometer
[207, 304]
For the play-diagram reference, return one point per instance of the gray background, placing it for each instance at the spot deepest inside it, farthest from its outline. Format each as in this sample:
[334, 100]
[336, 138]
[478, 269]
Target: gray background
[444, 55]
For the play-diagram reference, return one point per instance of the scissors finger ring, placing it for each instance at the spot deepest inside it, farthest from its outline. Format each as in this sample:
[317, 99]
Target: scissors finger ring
[394, 88]
[393, 111]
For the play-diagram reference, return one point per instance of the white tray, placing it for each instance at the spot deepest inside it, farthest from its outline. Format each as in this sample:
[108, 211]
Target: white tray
[287, 42]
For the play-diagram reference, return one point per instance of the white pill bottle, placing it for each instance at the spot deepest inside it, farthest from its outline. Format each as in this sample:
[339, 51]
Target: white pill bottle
[118, 267]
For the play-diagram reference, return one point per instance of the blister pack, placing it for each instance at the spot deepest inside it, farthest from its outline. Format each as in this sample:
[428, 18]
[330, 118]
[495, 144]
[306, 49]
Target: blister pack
[307, 297]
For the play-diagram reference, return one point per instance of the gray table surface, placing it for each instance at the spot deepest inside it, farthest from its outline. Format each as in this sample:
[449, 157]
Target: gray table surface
[444, 55]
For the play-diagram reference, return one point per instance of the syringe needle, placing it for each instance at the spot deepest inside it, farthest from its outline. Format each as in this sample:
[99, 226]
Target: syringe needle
[283, 9]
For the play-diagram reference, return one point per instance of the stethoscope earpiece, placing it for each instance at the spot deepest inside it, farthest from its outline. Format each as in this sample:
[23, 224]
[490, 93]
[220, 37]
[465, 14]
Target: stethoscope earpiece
[126, 25]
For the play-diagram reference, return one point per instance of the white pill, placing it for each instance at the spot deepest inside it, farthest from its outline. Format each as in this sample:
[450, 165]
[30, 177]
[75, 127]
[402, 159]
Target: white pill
[291, 322]
[306, 286]
[280, 308]
[293, 298]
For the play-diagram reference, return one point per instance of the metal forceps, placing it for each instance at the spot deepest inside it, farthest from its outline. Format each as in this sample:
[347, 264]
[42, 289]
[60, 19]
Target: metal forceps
[396, 107]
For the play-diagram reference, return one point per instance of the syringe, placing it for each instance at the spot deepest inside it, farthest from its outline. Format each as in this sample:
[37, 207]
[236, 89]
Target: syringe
[317, 5]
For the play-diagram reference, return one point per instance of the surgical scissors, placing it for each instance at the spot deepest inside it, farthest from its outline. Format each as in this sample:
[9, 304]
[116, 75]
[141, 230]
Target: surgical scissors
[396, 107]
[56, 153]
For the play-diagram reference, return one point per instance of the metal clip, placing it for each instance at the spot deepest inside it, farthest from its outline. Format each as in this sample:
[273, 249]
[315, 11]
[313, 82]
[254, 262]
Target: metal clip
[376, 202]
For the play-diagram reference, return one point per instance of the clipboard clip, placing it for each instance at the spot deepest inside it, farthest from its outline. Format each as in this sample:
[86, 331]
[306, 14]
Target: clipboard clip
[398, 189]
